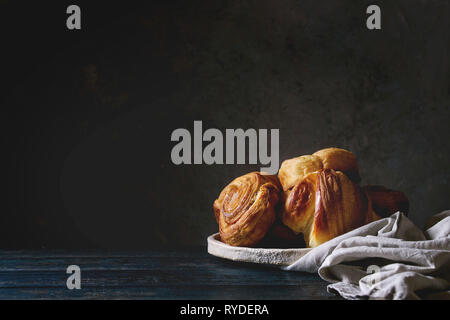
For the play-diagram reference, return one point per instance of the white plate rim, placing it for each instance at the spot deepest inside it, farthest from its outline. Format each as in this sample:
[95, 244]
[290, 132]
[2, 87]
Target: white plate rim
[267, 256]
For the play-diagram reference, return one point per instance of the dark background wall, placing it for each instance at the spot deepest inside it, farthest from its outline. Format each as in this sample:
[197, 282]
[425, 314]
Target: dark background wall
[87, 115]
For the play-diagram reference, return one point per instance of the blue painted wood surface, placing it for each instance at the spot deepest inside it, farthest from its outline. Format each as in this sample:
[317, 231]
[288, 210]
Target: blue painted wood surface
[151, 275]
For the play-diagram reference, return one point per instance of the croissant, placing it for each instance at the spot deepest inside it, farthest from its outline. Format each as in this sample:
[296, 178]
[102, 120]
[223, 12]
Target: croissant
[294, 170]
[326, 204]
[245, 209]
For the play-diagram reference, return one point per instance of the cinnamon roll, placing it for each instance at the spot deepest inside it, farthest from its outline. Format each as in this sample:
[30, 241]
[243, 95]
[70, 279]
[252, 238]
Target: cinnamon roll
[245, 209]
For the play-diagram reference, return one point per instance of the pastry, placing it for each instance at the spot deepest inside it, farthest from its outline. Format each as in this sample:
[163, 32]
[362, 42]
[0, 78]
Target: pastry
[294, 170]
[385, 201]
[314, 199]
[245, 209]
[326, 204]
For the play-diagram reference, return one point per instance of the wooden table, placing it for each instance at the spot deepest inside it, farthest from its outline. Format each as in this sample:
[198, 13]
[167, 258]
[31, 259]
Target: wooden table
[152, 275]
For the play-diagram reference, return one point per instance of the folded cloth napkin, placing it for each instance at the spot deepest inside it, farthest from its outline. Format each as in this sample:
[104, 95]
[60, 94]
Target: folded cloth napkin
[387, 259]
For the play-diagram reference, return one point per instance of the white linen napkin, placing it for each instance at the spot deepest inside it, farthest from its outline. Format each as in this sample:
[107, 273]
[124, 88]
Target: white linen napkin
[387, 259]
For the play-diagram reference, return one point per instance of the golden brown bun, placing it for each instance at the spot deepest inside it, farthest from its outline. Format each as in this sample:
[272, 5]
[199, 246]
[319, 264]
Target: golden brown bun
[294, 170]
[326, 204]
[340, 160]
[245, 209]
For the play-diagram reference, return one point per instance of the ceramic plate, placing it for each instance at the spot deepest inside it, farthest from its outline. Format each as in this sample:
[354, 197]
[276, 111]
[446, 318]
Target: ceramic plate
[279, 257]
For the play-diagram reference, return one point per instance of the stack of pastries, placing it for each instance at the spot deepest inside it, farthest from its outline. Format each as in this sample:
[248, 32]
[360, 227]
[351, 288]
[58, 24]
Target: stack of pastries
[313, 199]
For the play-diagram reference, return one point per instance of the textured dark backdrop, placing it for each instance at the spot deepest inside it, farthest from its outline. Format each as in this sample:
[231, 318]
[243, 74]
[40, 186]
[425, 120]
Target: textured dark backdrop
[87, 115]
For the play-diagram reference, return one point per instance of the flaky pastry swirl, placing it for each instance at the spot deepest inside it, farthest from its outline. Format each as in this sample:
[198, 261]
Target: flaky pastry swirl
[245, 209]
